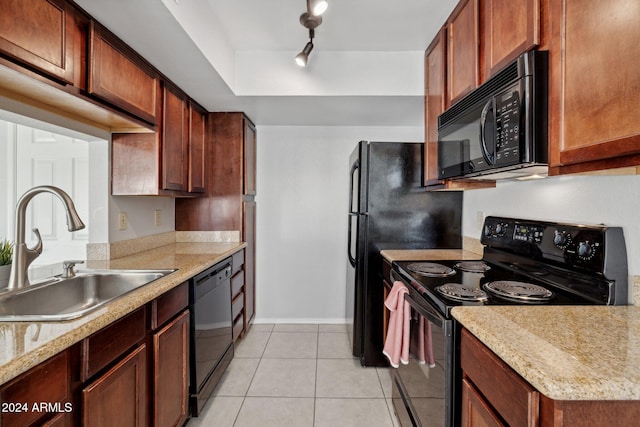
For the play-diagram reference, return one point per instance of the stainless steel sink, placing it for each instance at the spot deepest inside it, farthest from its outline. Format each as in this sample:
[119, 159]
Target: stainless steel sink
[63, 299]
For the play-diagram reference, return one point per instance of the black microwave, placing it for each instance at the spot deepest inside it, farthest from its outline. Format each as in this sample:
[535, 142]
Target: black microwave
[500, 129]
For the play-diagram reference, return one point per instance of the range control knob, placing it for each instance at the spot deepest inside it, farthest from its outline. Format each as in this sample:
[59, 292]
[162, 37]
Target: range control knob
[488, 232]
[586, 250]
[501, 229]
[561, 239]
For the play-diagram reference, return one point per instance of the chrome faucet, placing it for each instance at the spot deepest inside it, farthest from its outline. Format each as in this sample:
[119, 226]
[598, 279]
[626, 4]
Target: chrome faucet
[24, 256]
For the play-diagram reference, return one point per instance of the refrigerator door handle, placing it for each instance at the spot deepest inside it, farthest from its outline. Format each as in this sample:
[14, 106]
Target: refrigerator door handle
[354, 168]
[352, 258]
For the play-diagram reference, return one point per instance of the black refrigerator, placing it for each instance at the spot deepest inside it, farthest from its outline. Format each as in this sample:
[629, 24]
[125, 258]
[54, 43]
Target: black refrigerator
[389, 209]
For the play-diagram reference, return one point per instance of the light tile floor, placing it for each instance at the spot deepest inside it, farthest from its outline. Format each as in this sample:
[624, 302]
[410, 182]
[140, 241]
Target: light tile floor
[299, 376]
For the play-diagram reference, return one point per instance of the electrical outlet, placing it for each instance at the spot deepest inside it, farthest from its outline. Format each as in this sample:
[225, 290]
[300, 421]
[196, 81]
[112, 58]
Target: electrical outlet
[157, 217]
[122, 221]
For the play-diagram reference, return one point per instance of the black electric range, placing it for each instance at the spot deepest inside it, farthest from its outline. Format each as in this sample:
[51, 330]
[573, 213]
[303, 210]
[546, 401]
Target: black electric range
[528, 262]
[524, 262]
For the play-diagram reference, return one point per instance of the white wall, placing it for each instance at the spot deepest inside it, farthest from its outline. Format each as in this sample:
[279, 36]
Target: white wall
[303, 180]
[610, 200]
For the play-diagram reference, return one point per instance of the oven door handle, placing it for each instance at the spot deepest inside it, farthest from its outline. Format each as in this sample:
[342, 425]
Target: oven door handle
[425, 310]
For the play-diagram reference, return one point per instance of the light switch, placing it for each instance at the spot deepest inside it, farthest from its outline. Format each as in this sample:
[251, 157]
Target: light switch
[122, 221]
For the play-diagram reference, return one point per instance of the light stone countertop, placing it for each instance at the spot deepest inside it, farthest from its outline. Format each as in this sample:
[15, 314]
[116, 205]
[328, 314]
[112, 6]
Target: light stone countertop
[565, 352]
[24, 345]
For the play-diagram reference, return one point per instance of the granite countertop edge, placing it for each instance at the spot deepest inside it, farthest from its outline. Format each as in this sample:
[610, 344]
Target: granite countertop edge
[565, 352]
[50, 338]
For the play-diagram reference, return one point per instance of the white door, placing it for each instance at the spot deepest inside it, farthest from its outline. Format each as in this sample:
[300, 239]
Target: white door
[45, 158]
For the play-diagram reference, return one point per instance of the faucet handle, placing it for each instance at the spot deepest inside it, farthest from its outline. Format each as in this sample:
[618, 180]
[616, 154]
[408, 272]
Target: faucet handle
[37, 249]
[67, 268]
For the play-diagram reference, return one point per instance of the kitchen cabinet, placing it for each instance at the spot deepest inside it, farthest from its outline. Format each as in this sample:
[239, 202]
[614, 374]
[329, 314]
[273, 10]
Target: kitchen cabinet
[171, 372]
[508, 28]
[171, 162]
[594, 113]
[174, 140]
[237, 294]
[118, 397]
[228, 203]
[51, 381]
[197, 148]
[493, 394]
[463, 55]
[120, 77]
[492, 390]
[434, 103]
[39, 35]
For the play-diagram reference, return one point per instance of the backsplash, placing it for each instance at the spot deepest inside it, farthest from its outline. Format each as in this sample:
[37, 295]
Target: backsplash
[106, 251]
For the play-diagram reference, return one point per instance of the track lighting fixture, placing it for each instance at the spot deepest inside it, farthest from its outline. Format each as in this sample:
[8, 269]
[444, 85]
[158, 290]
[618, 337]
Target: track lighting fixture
[303, 57]
[310, 19]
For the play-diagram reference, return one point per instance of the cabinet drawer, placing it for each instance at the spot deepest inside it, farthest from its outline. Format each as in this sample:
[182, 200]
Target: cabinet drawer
[237, 261]
[48, 382]
[237, 305]
[238, 327]
[169, 304]
[105, 346]
[512, 397]
[237, 282]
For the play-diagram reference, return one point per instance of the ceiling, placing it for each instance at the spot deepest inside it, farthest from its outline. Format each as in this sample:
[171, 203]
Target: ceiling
[237, 55]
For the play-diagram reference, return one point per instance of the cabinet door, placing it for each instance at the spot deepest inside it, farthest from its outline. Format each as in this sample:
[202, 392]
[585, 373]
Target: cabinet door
[197, 154]
[249, 158]
[118, 76]
[475, 411]
[250, 263]
[174, 140]
[509, 28]
[463, 51]
[119, 397]
[171, 373]
[434, 102]
[47, 382]
[37, 33]
[594, 110]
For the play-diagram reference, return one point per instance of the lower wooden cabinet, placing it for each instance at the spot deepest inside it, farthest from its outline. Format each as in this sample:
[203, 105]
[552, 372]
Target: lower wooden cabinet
[49, 382]
[171, 373]
[133, 372]
[119, 396]
[493, 394]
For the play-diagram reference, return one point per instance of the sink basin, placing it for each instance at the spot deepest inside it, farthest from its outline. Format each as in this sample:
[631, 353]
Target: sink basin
[64, 299]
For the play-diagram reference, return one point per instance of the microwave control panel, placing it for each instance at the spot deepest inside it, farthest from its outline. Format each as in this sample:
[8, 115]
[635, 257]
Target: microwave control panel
[507, 110]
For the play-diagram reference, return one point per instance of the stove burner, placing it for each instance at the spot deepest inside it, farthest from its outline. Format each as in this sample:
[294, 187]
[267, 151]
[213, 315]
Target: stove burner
[431, 269]
[460, 292]
[473, 266]
[519, 291]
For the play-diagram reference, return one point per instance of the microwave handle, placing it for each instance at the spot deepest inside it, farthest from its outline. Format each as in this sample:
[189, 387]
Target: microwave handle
[483, 142]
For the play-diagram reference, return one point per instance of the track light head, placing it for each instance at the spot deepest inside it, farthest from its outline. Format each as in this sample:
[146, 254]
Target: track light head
[317, 7]
[303, 57]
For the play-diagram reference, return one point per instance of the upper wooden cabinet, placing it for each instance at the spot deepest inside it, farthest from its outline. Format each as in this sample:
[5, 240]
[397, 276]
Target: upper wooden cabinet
[594, 108]
[463, 65]
[175, 122]
[249, 165]
[119, 76]
[434, 103]
[508, 28]
[197, 147]
[170, 162]
[38, 34]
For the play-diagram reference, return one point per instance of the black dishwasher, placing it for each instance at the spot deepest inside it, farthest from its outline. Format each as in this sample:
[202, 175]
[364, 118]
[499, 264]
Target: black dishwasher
[211, 336]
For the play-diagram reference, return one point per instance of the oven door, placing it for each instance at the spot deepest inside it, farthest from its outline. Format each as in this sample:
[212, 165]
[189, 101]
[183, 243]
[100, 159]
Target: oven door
[423, 389]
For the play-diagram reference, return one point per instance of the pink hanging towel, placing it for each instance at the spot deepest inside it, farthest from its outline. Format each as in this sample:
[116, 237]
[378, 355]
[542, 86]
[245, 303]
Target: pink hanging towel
[421, 341]
[396, 346]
